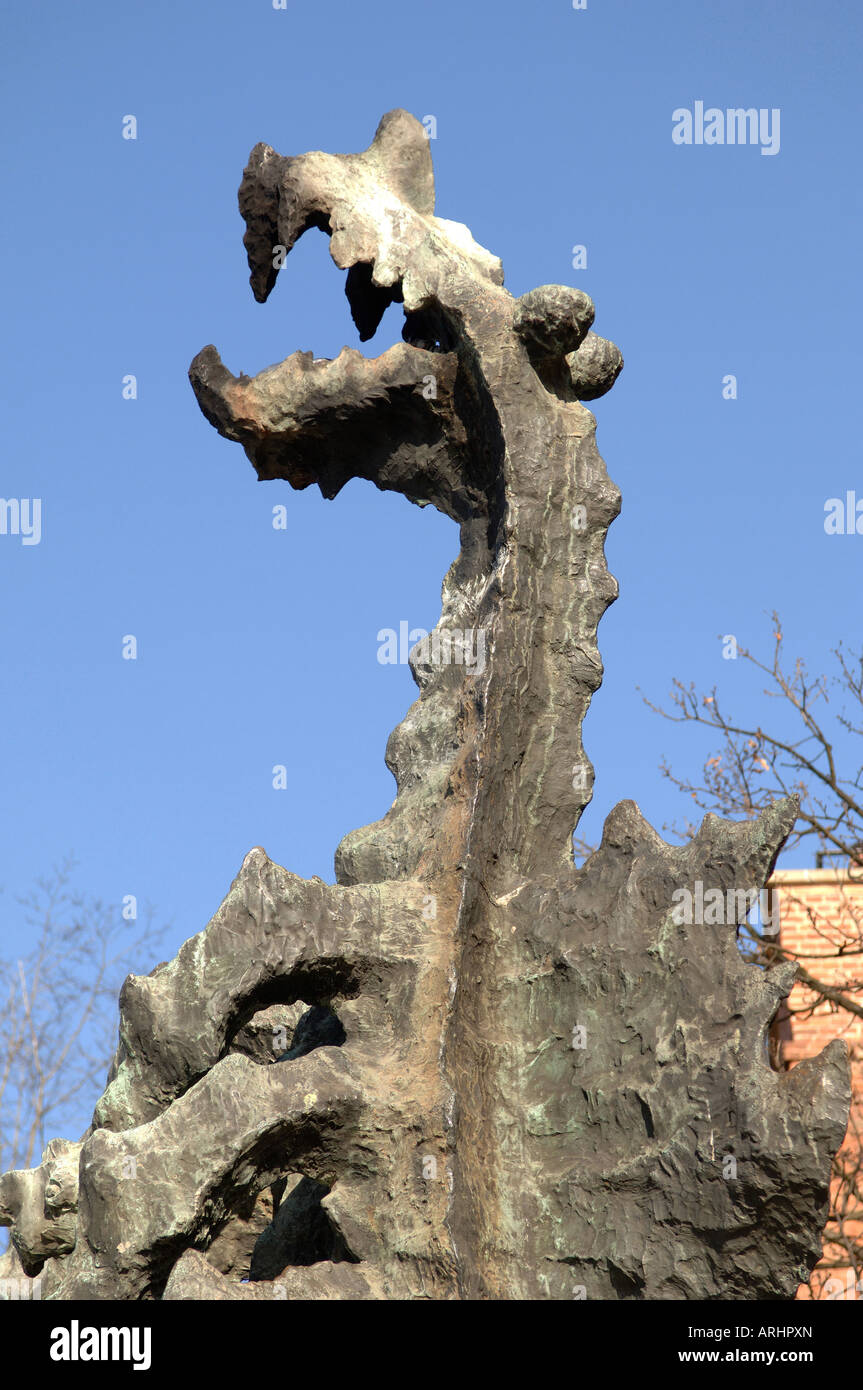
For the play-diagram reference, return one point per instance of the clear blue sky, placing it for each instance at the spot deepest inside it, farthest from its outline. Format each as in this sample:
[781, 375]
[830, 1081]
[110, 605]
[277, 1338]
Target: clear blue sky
[259, 647]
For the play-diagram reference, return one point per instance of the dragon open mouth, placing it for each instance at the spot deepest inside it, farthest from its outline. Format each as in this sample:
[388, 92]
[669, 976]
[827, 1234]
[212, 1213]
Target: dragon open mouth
[319, 420]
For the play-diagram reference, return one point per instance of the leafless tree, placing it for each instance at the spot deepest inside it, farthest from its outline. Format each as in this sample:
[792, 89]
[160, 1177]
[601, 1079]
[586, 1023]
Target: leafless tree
[809, 752]
[58, 1023]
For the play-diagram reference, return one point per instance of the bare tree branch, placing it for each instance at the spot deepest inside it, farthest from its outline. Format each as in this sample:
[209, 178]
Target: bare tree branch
[753, 766]
[58, 1027]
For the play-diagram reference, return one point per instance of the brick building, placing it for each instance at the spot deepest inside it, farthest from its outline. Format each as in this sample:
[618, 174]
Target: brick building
[821, 916]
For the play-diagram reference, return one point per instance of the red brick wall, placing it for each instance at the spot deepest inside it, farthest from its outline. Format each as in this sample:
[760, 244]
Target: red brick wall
[821, 910]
